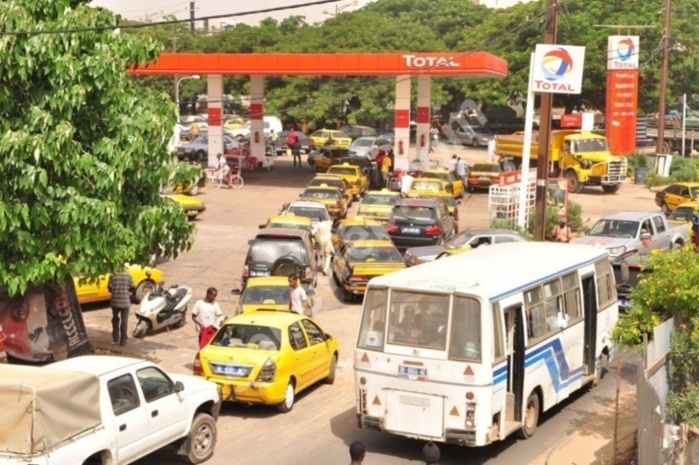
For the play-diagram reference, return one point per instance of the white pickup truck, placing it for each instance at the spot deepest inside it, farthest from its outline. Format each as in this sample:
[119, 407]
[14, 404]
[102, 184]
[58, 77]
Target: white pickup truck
[100, 410]
[635, 230]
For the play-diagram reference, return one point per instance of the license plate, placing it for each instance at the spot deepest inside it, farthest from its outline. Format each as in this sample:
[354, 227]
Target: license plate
[484, 178]
[231, 370]
[613, 178]
[624, 303]
[192, 212]
[414, 373]
[259, 273]
[411, 230]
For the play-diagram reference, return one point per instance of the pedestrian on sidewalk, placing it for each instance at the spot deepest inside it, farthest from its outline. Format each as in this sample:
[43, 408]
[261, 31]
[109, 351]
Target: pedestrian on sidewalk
[298, 299]
[431, 454]
[562, 232]
[121, 286]
[357, 453]
[207, 316]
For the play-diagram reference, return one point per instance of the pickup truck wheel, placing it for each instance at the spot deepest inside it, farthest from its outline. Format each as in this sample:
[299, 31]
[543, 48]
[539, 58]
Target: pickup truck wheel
[201, 440]
[289, 397]
[677, 246]
[574, 184]
[611, 188]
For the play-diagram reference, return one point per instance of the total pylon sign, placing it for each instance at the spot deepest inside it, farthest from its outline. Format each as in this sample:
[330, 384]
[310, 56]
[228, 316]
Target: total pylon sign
[622, 93]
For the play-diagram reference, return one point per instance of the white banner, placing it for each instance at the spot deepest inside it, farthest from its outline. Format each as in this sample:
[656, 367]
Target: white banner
[558, 69]
[622, 52]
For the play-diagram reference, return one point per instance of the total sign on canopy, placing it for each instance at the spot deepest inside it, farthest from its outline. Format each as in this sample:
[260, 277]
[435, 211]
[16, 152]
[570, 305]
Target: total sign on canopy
[558, 69]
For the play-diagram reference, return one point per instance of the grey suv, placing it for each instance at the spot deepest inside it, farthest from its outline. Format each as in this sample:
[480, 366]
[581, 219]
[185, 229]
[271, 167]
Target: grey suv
[417, 222]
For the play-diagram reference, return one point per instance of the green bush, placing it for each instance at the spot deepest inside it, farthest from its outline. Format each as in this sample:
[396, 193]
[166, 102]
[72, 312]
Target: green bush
[634, 160]
[654, 179]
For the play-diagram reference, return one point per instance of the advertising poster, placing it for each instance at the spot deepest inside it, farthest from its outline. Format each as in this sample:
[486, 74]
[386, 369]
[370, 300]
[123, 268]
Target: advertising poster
[622, 94]
[44, 324]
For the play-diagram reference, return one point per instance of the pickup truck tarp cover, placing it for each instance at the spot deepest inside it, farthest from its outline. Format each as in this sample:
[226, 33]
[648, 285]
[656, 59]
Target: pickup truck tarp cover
[42, 407]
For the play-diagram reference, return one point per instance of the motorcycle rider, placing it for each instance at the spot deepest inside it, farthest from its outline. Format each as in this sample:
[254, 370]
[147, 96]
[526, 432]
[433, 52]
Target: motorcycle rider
[207, 316]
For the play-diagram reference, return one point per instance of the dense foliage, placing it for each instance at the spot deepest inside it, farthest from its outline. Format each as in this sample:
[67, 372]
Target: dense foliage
[447, 25]
[83, 152]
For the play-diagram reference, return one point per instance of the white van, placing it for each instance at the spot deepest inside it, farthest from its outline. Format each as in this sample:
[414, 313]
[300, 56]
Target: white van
[270, 123]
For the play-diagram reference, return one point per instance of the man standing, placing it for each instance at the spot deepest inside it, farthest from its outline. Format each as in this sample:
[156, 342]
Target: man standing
[462, 171]
[452, 163]
[357, 453]
[207, 315]
[298, 300]
[292, 142]
[385, 170]
[224, 169]
[562, 232]
[273, 138]
[121, 286]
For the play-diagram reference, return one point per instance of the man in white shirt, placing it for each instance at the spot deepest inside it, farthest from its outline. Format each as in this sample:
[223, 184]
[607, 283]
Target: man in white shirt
[207, 314]
[452, 163]
[462, 170]
[298, 300]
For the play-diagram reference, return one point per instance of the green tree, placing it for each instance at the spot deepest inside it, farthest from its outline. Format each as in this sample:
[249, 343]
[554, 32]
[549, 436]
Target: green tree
[83, 152]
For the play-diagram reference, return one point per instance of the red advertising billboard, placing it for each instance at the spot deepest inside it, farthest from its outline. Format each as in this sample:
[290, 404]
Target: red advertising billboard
[622, 94]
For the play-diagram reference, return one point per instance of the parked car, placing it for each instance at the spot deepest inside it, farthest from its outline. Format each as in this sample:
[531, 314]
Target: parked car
[96, 291]
[280, 252]
[355, 176]
[316, 211]
[416, 222]
[269, 292]
[335, 181]
[290, 221]
[466, 240]
[306, 143]
[192, 206]
[378, 204]
[355, 131]
[676, 194]
[268, 123]
[483, 175]
[358, 228]
[268, 357]
[389, 136]
[198, 149]
[369, 147]
[331, 138]
[234, 122]
[321, 158]
[452, 183]
[474, 136]
[335, 201]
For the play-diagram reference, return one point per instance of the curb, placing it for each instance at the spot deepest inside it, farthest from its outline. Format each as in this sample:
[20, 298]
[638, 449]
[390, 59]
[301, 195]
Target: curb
[558, 447]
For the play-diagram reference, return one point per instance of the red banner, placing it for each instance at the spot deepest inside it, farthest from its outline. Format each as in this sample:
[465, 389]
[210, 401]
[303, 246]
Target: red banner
[622, 94]
[573, 120]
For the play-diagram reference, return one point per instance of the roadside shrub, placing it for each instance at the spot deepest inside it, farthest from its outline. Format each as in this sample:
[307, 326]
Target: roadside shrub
[683, 406]
[654, 180]
[634, 160]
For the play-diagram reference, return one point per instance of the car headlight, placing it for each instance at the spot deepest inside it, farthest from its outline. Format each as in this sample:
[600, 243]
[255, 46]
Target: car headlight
[614, 251]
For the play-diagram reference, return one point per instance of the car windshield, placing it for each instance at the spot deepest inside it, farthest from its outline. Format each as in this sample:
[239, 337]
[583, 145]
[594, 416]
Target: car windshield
[681, 214]
[481, 131]
[363, 232]
[343, 170]
[248, 336]
[615, 228]
[380, 200]
[260, 294]
[330, 182]
[323, 194]
[485, 168]
[363, 143]
[269, 250]
[429, 186]
[444, 176]
[318, 214]
[416, 214]
[375, 254]
[589, 145]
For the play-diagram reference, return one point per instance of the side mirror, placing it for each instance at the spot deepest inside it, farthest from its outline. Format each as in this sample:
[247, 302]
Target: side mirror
[179, 387]
[236, 291]
[327, 337]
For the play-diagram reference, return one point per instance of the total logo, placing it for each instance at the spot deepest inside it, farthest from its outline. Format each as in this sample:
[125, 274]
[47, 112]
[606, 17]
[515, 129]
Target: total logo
[625, 49]
[623, 53]
[555, 65]
[414, 61]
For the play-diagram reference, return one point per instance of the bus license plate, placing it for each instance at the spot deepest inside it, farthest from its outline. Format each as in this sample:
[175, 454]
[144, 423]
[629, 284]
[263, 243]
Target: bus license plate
[411, 230]
[414, 373]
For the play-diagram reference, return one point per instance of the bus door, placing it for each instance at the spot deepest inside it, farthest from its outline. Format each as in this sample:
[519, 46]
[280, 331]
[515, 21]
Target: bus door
[589, 291]
[514, 327]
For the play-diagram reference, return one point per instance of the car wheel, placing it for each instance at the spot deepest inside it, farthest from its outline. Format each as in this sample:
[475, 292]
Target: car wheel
[200, 443]
[287, 404]
[601, 369]
[531, 417]
[331, 374]
[664, 208]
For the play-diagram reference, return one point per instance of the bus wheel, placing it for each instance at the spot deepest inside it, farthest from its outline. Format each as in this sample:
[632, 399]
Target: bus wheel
[601, 369]
[531, 417]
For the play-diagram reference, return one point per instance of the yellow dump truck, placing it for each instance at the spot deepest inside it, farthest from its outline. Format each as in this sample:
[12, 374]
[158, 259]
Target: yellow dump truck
[582, 158]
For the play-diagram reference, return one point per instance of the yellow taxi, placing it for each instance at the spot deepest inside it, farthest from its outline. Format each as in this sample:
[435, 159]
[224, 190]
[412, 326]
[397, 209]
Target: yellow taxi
[331, 138]
[235, 122]
[451, 252]
[269, 356]
[676, 194]
[428, 187]
[270, 292]
[683, 214]
[289, 220]
[354, 175]
[452, 183]
[96, 291]
[333, 199]
[362, 260]
[192, 206]
[378, 205]
[332, 180]
[323, 158]
[359, 228]
[483, 175]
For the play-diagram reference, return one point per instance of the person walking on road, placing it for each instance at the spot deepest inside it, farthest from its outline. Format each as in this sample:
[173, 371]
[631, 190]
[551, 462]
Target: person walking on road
[562, 232]
[121, 286]
[273, 138]
[292, 141]
[357, 453]
[452, 163]
[462, 171]
[298, 300]
[431, 454]
[207, 316]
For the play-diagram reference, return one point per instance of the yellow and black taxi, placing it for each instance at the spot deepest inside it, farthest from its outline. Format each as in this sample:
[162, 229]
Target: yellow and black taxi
[323, 158]
[378, 205]
[422, 187]
[358, 228]
[269, 356]
[192, 206]
[270, 292]
[452, 183]
[289, 220]
[362, 260]
[333, 180]
[676, 194]
[354, 175]
[683, 214]
[333, 199]
[96, 291]
[483, 175]
[331, 138]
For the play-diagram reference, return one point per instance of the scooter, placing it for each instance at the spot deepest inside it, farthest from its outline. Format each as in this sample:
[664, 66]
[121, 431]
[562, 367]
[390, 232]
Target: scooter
[160, 309]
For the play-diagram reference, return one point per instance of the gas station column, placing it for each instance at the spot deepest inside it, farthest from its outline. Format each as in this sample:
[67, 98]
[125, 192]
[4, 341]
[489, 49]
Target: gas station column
[422, 138]
[401, 144]
[214, 95]
[257, 126]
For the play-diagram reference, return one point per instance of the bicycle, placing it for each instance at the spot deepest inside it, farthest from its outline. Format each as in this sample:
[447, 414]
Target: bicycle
[215, 178]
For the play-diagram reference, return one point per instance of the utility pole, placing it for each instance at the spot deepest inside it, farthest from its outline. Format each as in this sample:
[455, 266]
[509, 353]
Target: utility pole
[542, 166]
[191, 16]
[660, 142]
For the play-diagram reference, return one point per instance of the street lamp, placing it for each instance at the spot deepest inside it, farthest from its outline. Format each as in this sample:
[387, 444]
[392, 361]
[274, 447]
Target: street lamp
[340, 8]
[177, 91]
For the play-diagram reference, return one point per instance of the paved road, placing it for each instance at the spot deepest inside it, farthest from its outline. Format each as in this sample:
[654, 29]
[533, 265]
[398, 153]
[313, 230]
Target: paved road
[322, 424]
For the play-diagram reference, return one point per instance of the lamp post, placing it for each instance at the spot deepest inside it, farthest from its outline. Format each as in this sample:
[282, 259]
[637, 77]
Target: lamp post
[340, 8]
[177, 91]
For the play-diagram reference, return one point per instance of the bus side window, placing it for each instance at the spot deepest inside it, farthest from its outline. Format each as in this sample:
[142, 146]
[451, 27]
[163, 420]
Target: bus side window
[373, 316]
[536, 313]
[606, 292]
[498, 341]
[571, 297]
[552, 293]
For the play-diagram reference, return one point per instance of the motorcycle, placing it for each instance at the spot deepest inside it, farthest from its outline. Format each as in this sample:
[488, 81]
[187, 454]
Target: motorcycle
[161, 309]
